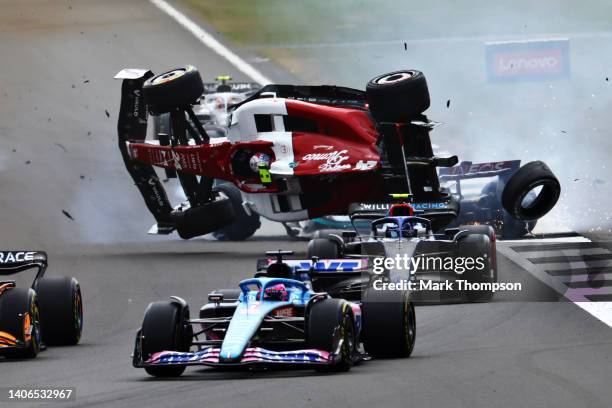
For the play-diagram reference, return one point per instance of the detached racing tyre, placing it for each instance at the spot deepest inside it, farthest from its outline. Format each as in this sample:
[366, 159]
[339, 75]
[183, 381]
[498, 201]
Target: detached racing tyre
[204, 219]
[244, 225]
[164, 328]
[323, 248]
[520, 198]
[61, 310]
[329, 322]
[173, 89]
[389, 323]
[398, 96]
[19, 317]
[478, 244]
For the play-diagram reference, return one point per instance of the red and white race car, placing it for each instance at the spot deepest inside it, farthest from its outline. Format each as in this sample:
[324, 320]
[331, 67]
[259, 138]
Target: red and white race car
[298, 152]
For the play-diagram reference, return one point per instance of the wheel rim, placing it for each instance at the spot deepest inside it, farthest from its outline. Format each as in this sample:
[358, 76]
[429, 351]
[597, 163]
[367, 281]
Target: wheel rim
[168, 76]
[346, 334]
[78, 313]
[33, 320]
[394, 78]
[409, 324]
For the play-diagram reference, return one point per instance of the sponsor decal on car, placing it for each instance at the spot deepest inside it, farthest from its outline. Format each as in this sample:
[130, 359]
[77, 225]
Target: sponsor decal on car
[468, 167]
[286, 311]
[334, 161]
[535, 60]
[429, 206]
[11, 257]
[374, 207]
[365, 165]
[327, 265]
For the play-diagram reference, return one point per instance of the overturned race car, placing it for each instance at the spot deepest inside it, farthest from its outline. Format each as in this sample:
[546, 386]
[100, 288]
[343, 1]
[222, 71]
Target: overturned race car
[298, 152]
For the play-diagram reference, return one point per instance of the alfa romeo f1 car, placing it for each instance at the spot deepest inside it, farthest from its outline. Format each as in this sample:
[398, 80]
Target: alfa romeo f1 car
[50, 312]
[297, 152]
[275, 318]
[404, 234]
[212, 110]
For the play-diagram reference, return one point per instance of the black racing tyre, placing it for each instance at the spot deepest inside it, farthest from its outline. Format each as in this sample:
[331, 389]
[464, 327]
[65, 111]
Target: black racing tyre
[479, 229]
[173, 89]
[398, 96]
[328, 322]
[204, 219]
[479, 246]
[61, 310]
[323, 248]
[164, 328]
[516, 197]
[244, 225]
[19, 317]
[329, 233]
[389, 323]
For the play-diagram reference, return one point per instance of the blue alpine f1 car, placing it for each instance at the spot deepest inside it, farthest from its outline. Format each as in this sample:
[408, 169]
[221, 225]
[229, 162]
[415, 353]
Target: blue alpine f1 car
[277, 318]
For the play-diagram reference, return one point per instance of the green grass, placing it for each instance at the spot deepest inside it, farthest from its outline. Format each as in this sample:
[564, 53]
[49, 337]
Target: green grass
[285, 22]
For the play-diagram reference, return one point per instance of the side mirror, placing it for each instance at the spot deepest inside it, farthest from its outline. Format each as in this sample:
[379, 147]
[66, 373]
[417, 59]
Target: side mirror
[215, 297]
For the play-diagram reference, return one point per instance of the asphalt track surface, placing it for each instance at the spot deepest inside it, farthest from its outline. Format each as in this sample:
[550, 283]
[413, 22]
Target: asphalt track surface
[58, 153]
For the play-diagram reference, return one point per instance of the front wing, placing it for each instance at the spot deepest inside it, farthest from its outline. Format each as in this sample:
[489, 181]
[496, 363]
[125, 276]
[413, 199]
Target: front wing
[253, 355]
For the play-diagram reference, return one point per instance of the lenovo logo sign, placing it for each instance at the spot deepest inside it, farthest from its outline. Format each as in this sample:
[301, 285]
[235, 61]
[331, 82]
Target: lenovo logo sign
[528, 60]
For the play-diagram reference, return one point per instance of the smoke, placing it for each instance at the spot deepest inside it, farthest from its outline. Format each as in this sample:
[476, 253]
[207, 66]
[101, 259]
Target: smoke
[564, 122]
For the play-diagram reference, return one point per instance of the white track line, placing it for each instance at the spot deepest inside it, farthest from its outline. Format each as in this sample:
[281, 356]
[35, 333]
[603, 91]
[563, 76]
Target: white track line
[211, 42]
[601, 310]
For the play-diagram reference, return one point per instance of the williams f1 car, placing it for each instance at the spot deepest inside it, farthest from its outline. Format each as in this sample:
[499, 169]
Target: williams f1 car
[297, 152]
[275, 318]
[50, 312]
[465, 256]
[480, 202]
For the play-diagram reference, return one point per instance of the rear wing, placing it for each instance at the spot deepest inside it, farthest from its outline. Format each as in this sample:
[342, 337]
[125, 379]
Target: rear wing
[468, 170]
[12, 262]
[439, 213]
[323, 267]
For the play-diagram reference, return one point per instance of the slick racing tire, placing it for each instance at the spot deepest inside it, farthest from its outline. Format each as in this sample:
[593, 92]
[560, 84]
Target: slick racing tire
[519, 197]
[398, 96]
[323, 248]
[19, 317]
[164, 328]
[330, 321]
[244, 225]
[173, 89]
[61, 310]
[204, 219]
[389, 323]
[478, 244]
